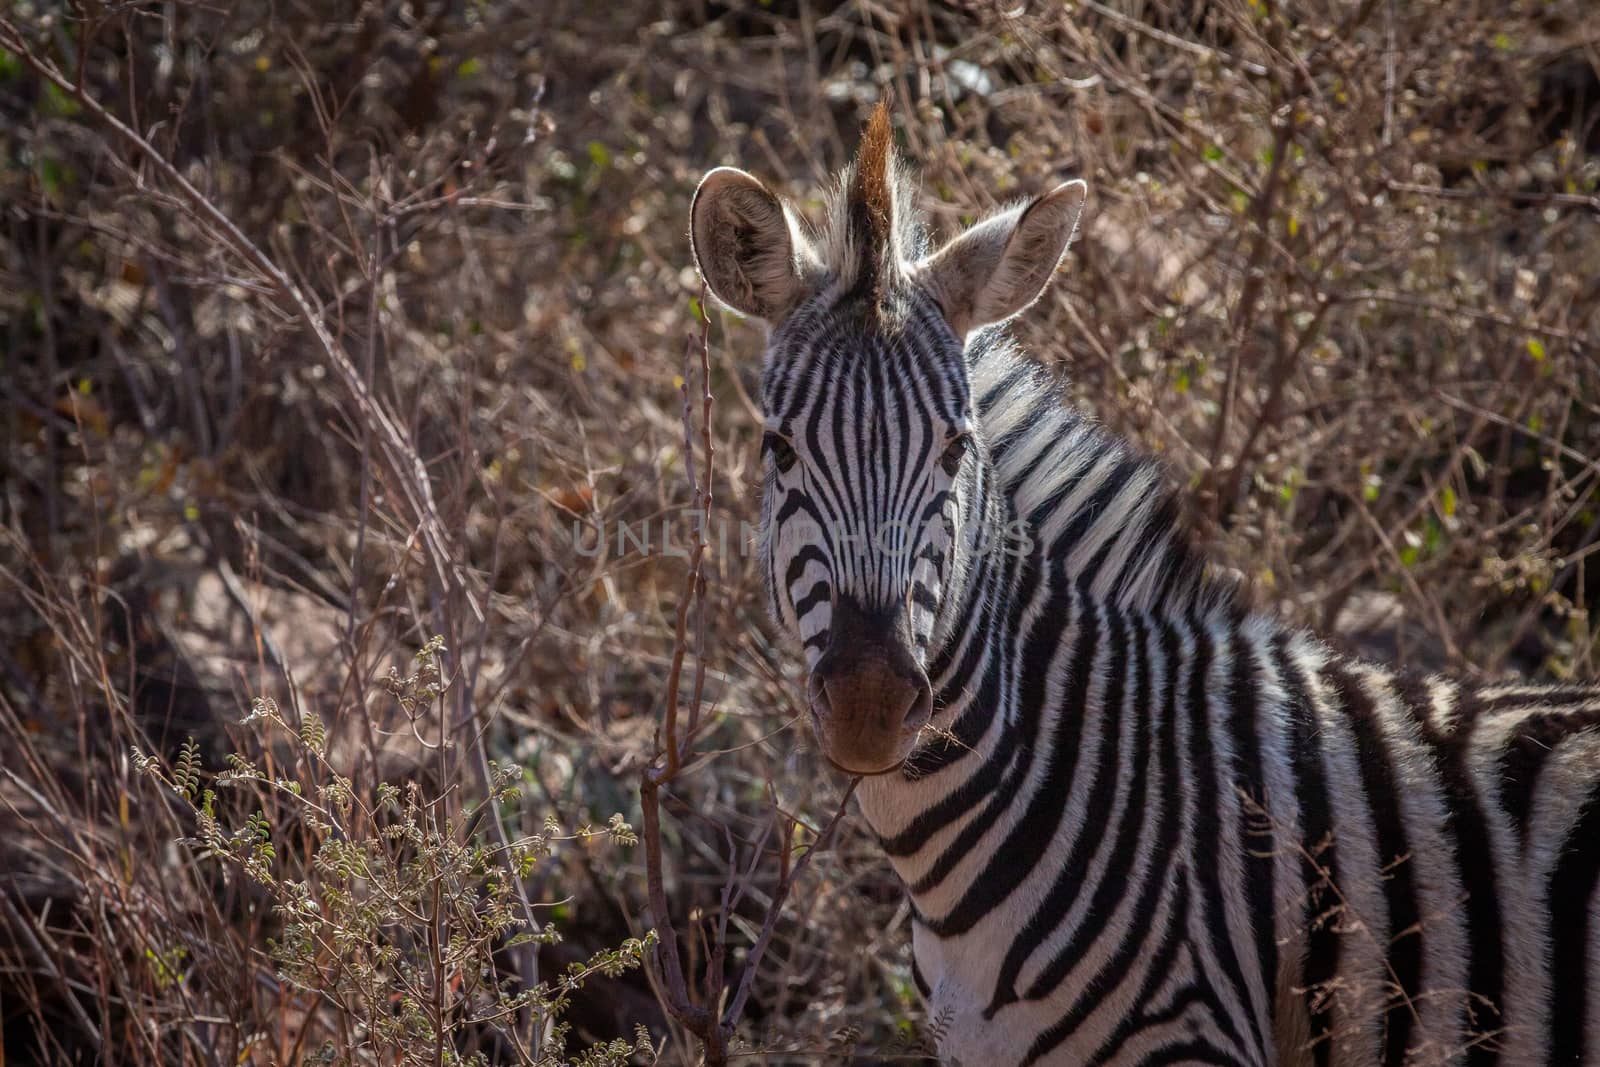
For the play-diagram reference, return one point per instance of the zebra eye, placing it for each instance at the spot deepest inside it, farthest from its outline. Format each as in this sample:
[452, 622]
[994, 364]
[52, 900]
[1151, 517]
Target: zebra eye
[778, 447]
[954, 453]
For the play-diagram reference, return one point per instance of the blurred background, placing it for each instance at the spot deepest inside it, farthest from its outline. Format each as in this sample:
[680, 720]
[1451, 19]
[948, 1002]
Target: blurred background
[332, 332]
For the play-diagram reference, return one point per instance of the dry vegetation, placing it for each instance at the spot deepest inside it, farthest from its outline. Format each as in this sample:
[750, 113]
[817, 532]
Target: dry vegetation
[325, 327]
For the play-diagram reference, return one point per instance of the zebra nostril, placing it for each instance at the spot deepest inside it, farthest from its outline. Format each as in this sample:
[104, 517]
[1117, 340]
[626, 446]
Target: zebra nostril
[921, 709]
[817, 701]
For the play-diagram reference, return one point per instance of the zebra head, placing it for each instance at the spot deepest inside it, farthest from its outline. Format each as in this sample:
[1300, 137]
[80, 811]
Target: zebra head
[873, 462]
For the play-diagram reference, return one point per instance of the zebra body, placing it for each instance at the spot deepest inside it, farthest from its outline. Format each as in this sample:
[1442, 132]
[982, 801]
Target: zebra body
[1138, 823]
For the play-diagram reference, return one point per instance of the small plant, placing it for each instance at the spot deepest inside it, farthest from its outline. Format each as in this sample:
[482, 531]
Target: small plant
[393, 914]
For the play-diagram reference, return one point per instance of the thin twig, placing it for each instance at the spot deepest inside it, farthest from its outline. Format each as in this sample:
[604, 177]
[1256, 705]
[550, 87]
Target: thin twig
[780, 895]
[700, 1020]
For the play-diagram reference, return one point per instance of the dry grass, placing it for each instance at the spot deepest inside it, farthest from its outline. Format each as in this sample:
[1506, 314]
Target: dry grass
[1339, 270]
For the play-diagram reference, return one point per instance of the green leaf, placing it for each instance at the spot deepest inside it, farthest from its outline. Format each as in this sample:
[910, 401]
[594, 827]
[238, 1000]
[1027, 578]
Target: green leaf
[1432, 537]
[1412, 547]
[599, 155]
[469, 67]
[1447, 501]
[1536, 349]
[57, 104]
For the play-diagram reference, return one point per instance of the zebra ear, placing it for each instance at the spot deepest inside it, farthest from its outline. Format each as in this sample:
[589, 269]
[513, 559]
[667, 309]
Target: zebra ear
[745, 245]
[1001, 265]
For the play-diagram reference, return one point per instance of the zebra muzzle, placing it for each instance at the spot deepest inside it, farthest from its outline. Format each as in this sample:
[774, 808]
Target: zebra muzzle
[869, 700]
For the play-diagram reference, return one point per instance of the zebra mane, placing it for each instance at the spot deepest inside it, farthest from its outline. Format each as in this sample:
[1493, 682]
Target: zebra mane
[1045, 454]
[872, 229]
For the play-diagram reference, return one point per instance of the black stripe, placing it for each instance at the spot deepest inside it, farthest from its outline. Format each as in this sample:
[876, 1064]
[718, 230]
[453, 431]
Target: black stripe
[1394, 861]
[1162, 520]
[1173, 939]
[862, 478]
[1190, 1053]
[1095, 450]
[1467, 710]
[1035, 422]
[1555, 696]
[1571, 899]
[1020, 373]
[972, 833]
[983, 597]
[1017, 763]
[976, 788]
[819, 593]
[797, 565]
[833, 498]
[948, 381]
[1525, 755]
[935, 506]
[1255, 831]
[1469, 831]
[1093, 508]
[1091, 570]
[1206, 810]
[793, 503]
[1321, 858]
[797, 335]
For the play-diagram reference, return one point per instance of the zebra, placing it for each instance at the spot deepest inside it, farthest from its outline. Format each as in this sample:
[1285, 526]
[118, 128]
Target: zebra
[1138, 821]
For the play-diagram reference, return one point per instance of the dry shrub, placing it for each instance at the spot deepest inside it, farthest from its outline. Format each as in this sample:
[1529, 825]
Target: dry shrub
[1338, 272]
